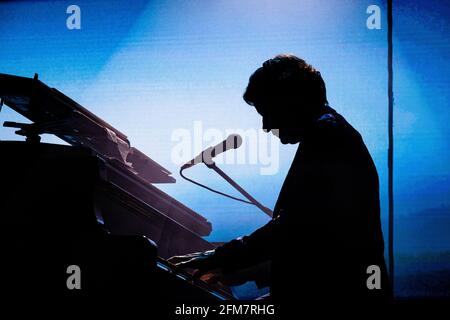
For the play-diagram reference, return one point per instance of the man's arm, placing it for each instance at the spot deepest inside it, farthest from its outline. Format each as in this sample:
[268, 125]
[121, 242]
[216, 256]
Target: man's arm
[239, 253]
[250, 250]
[309, 188]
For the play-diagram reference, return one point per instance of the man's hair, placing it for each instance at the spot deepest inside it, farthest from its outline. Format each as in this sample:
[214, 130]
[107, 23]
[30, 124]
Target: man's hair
[286, 78]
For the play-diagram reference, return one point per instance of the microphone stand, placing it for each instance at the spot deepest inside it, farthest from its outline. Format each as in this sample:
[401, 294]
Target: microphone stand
[212, 165]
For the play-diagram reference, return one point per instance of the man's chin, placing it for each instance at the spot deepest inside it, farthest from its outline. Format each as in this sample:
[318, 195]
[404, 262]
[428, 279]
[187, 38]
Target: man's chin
[288, 140]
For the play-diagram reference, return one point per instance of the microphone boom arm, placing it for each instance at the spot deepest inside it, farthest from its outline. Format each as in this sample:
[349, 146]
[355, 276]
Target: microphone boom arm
[255, 202]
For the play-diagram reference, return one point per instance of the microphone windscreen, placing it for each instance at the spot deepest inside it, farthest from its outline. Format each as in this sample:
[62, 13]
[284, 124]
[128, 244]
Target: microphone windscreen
[234, 141]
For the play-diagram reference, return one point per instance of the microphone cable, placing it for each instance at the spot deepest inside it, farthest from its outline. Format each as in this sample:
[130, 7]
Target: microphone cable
[213, 190]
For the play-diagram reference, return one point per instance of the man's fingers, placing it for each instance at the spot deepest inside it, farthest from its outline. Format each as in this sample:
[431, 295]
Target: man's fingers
[213, 279]
[183, 258]
[198, 273]
[192, 264]
[200, 260]
[211, 276]
[178, 259]
[173, 260]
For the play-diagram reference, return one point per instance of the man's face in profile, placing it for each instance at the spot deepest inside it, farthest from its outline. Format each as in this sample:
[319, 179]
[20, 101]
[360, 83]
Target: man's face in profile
[289, 94]
[287, 127]
[287, 135]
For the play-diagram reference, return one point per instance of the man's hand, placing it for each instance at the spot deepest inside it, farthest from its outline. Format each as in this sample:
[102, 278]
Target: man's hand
[202, 262]
[205, 268]
[217, 275]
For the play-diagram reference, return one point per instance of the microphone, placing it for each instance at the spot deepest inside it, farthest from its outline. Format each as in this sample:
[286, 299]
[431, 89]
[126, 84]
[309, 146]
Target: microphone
[233, 141]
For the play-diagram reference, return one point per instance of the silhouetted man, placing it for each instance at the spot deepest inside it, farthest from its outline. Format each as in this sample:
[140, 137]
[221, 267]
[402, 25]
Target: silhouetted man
[326, 228]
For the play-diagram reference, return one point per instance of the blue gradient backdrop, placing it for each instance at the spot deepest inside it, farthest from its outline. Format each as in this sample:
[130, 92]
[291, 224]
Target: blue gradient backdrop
[152, 67]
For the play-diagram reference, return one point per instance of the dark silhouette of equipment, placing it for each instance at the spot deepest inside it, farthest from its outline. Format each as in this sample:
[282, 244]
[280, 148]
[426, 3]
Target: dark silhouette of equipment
[91, 203]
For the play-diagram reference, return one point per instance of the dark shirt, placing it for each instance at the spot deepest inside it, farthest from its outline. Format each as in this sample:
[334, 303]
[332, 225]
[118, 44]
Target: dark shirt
[326, 227]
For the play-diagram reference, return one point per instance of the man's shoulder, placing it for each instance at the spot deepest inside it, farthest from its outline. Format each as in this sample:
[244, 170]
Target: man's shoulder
[329, 126]
[328, 119]
[332, 132]
[333, 126]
